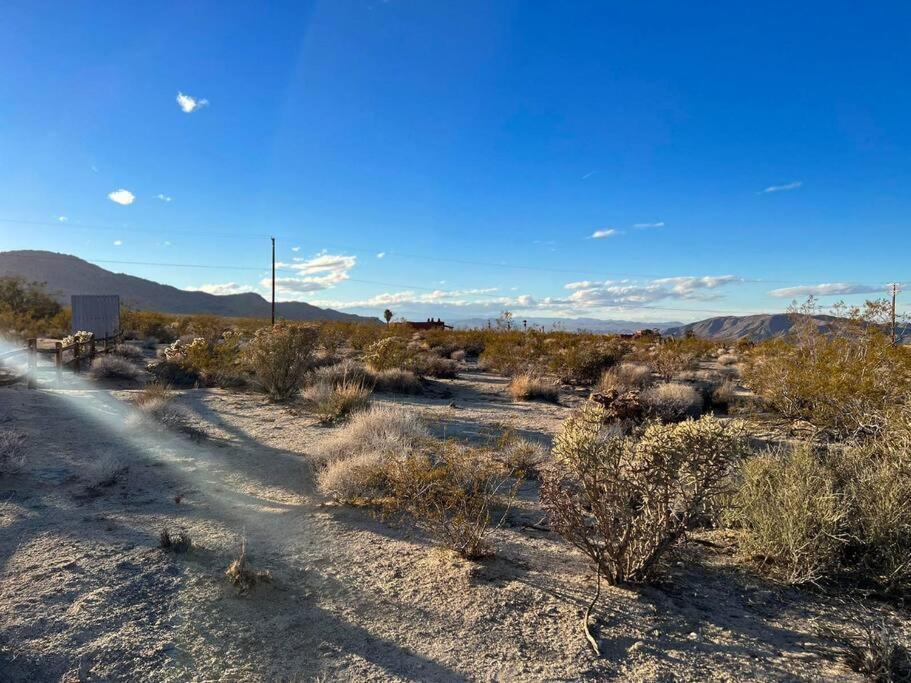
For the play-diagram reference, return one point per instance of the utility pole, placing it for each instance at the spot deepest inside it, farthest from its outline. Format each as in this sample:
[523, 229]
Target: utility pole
[273, 282]
[894, 290]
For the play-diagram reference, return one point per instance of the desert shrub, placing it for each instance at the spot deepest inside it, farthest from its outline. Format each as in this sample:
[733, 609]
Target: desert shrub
[397, 381]
[129, 352]
[177, 543]
[623, 501]
[387, 353]
[625, 376]
[106, 470]
[519, 456]
[724, 395]
[379, 429]
[452, 494]
[793, 514]
[332, 337]
[242, 575]
[527, 387]
[845, 381]
[728, 359]
[173, 373]
[458, 355]
[672, 401]
[156, 402]
[27, 310]
[879, 654]
[675, 355]
[429, 365]
[12, 451]
[514, 352]
[333, 402]
[113, 367]
[340, 373]
[361, 478]
[280, 357]
[584, 361]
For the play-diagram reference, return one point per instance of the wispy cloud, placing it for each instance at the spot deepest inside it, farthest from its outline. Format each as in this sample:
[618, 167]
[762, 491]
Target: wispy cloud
[94, 168]
[163, 197]
[589, 294]
[295, 249]
[222, 288]
[783, 188]
[600, 234]
[62, 219]
[588, 175]
[122, 197]
[189, 104]
[118, 243]
[826, 289]
[382, 254]
[643, 226]
[322, 271]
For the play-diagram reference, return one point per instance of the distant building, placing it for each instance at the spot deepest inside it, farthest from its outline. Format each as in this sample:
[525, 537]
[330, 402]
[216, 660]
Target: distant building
[430, 324]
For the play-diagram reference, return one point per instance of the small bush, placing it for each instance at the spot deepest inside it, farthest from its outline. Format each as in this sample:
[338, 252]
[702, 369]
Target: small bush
[528, 388]
[242, 575]
[112, 367]
[452, 496]
[361, 478]
[671, 401]
[724, 395]
[520, 457]
[172, 373]
[386, 354]
[12, 451]
[879, 654]
[728, 359]
[458, 355]
[395, 381]
[280, 357]
[793, 514]
[129, 352]
[334, 402]
[156, 402]
[340, 373]
[625, 502]
[429, 365]
[379, 429]
[179, 543]
[625, 376]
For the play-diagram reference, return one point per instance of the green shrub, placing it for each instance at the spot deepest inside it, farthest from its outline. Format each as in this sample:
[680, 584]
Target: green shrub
[623, 501]
[279, 358]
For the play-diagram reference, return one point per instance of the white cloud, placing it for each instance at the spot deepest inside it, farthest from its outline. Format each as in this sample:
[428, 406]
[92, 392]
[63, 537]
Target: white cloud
[588, 175]
[295, 249]
[190, 104]
[826, 289]
[322, 271]
[118, 243]
[222, 289]
[608, 232]
[163, 197]
[381, 254]
[122, 197]
[783, 188]
[642, 226]
[94, 168]
[62, 219]
[167, 243]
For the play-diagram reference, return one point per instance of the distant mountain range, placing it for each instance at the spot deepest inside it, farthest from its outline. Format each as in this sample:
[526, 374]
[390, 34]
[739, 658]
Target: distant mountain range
[66, 275]
[758, 327]
[570, 324]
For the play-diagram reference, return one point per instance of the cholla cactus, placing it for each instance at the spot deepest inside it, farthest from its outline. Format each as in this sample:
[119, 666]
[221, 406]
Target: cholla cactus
[80, 337]
[176, 352]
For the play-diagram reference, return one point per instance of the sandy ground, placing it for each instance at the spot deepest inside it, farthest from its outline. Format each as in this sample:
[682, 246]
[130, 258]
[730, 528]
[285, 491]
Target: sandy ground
[87, 594]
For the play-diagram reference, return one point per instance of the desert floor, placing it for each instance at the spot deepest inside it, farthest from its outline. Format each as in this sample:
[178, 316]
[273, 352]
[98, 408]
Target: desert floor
[87, 594]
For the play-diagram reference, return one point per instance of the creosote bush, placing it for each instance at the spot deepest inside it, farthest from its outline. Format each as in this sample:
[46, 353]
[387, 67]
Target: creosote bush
[527, 387]
[12, 451]
[624, 377]
[625, 501]
[280, 357]
[395, 381]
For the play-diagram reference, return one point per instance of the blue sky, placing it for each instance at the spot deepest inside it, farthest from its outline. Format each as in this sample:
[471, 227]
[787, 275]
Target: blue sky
[456, 159]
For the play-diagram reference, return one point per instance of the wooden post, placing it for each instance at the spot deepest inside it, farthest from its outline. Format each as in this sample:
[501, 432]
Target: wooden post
[92, 348]
[32, 364]
[58, 360]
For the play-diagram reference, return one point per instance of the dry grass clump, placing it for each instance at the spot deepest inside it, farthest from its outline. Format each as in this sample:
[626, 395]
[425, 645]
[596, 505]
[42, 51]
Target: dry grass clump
[242, 575]
[129, 352]
[396, 381]
[879, 654]
[379, 429]
[625, 376]
[179, 543]
[156, 401]
[280, 357]
[624, 502]
[672, 401]
[458, 355]
[333, 402]
[528, 387]
[107, 470]
[113, 367]
[724, 395]
[519, 456]
[728, 359]
[430, 365]
[12, 451]
[339, 373]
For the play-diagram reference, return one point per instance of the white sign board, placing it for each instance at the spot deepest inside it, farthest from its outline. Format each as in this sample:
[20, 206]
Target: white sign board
[96, 313]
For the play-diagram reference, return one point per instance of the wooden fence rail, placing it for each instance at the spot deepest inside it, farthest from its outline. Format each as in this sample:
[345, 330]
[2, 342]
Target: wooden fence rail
[81, 351]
